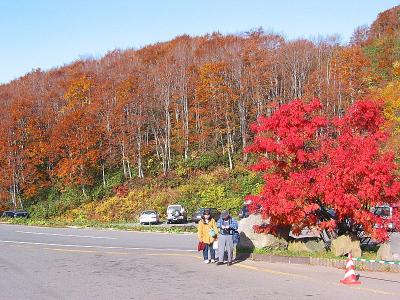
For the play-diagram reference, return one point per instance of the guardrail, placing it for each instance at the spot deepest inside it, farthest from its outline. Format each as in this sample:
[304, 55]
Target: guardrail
[361, 263]
[377, 261]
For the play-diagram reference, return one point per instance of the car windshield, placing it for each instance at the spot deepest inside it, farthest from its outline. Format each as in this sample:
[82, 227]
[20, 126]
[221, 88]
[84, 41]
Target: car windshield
[211, 210]
[149, 212]
[382, 211]
[174, 207]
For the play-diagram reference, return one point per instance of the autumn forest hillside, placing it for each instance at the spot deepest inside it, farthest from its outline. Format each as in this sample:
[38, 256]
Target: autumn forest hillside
[141, 128]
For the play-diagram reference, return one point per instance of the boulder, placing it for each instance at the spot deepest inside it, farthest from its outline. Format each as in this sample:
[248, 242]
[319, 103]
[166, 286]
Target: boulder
[384, 252]
[391, 249]
[395, 245]
[310, 246]
[345, 244]
[250, 240]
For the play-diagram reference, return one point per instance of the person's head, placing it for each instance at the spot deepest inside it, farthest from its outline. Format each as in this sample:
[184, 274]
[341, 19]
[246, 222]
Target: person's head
[206, 214]
[225, 215]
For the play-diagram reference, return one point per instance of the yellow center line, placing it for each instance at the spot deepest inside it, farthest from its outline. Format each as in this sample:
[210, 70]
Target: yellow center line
[120, 253]
[373, 290]
[246, 267]
[270, 271]
[19, 246]
[362, 288]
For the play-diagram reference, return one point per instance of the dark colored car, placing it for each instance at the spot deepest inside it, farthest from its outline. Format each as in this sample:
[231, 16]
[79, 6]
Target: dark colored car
[387, 212]
[196, 216]
[244, 212]
[15, 214]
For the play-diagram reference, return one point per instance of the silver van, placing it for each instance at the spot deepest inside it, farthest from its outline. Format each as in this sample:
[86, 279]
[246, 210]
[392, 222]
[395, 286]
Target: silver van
[176, 213]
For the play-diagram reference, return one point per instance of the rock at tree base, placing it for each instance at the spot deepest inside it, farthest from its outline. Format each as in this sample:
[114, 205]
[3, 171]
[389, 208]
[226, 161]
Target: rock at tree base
[345, 244]
[250, 240]
[384, 252]
[391, 249]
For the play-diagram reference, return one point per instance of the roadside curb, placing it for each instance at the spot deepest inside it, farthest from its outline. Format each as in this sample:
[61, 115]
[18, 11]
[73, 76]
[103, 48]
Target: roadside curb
[326, 262]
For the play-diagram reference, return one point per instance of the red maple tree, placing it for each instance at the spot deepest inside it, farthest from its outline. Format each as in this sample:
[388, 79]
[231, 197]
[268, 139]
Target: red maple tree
[324, 173]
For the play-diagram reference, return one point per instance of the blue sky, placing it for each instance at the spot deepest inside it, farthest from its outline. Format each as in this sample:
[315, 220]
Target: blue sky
[50, 33]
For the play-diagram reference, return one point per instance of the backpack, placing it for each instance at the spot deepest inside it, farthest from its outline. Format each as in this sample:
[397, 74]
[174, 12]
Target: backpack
[212, 233]
[236, 237]
[236, 234]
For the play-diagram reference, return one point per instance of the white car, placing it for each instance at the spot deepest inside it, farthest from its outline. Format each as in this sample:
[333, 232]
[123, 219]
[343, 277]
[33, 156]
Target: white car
[149, 217]
[176, 214]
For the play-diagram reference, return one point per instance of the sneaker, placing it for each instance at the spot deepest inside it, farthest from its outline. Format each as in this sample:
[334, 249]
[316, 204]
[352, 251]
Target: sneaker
[219, 263]
[213, 261]
[206, 261]
[225, 261]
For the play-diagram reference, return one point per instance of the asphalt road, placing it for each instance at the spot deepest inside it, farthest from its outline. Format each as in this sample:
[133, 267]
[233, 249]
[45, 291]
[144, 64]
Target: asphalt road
[65, 263]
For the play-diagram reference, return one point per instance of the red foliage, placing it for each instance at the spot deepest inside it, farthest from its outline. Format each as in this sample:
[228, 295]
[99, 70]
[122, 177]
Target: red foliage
[396, 218]
[121, 190]
[322, 172]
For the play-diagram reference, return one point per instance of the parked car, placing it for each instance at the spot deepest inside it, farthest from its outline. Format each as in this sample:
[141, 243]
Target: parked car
[386, 212]
[176, 214]
[149, 217]
[15, 214]
[196, 216]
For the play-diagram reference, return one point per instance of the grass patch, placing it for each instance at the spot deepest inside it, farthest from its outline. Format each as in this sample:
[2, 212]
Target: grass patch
[284, 252]
[100, 225]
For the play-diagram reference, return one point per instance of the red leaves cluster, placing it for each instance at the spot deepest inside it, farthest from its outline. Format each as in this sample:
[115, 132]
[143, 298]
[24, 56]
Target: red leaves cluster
[121, 190]
[325, 173]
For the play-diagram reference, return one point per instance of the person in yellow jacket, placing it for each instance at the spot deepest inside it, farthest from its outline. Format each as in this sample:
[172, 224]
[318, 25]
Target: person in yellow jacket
[207, 233]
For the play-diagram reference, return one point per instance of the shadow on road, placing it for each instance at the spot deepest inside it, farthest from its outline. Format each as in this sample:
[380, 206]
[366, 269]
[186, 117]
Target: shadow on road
[242, 256]
[244, 249]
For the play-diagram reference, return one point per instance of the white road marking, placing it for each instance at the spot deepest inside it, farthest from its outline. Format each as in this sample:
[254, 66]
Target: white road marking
[87, 251]
[68, 235]
[99, 247]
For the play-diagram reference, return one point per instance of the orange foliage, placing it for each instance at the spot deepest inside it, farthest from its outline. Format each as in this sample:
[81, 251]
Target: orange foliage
[132, 109]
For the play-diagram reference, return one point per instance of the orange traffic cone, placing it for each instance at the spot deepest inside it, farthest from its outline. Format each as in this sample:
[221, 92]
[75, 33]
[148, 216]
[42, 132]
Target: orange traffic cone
[350, 275]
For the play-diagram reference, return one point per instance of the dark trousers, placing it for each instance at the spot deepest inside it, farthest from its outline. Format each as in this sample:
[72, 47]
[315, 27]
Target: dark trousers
[205, 251]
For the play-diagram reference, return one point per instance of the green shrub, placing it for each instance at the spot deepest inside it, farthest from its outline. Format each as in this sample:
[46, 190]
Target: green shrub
[99, 191]
[206, 161]
[57, 203]
[248, 184]
[153, 167]
[213, 196]
[217, 196]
